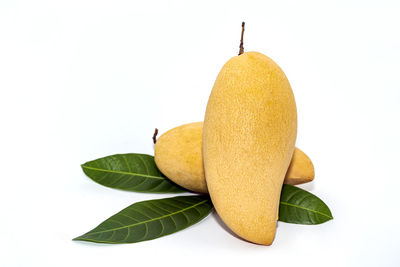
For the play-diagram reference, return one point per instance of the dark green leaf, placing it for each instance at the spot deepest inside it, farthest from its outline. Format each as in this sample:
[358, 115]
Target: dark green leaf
[131, 172]
[150, 219]
[301, 207]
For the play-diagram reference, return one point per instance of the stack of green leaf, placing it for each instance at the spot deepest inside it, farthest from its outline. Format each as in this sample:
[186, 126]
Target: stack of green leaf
[152, 219]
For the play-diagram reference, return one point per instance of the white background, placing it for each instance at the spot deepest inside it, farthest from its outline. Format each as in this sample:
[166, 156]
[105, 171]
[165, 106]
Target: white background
[83, 79]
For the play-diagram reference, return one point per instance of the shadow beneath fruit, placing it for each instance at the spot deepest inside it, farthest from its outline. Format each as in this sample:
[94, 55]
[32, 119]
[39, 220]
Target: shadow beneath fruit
[226, 228]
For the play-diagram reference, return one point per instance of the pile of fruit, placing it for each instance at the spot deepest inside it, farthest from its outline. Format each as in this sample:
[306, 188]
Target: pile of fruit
[241, 160]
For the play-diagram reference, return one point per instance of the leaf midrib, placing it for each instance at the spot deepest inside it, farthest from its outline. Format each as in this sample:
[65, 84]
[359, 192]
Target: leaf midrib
[123, 172]
[300, 207]
[154, 219]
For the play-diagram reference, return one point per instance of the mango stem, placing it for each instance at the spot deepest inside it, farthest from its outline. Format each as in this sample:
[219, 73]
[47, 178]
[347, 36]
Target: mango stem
[241, 49]
[155, 135]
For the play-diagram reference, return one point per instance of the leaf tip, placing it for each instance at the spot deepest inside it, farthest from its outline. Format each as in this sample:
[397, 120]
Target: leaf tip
[330, 213]
[79, 238]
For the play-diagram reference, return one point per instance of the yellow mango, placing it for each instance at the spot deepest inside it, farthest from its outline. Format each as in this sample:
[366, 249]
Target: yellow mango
[178, 155]
[249, 137]
[301, 169]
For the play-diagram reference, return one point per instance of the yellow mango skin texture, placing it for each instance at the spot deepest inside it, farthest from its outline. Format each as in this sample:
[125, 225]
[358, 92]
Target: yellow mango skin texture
[178, 154]
[301, 169]
[249, 137]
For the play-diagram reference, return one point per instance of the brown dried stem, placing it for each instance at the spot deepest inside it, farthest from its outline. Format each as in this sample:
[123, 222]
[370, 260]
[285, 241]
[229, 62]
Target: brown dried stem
[155, 135]
[241, 49]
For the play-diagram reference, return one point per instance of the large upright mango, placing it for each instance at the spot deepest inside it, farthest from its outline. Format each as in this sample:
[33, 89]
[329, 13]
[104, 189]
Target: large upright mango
[249, 136]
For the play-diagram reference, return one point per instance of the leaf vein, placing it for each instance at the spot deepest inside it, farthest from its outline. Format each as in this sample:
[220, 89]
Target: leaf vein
[296, 206]
[150, 220]
[123, 172]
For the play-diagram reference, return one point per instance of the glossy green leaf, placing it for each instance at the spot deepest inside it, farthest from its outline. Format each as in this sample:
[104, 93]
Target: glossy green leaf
[301, 207]
[150, 219]
[131, 172]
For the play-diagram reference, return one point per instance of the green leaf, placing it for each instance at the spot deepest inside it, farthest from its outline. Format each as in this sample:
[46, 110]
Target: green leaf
[301, 207]
[131, 172]
[150, 219]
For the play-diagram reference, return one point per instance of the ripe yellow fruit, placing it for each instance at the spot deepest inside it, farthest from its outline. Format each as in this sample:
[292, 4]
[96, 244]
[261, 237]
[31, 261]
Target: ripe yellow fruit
[249, 137]
[178, 155]
[301, 169]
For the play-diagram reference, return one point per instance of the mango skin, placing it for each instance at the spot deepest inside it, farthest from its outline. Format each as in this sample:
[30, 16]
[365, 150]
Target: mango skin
[178, 155]
[301, 169]
[249, 137]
